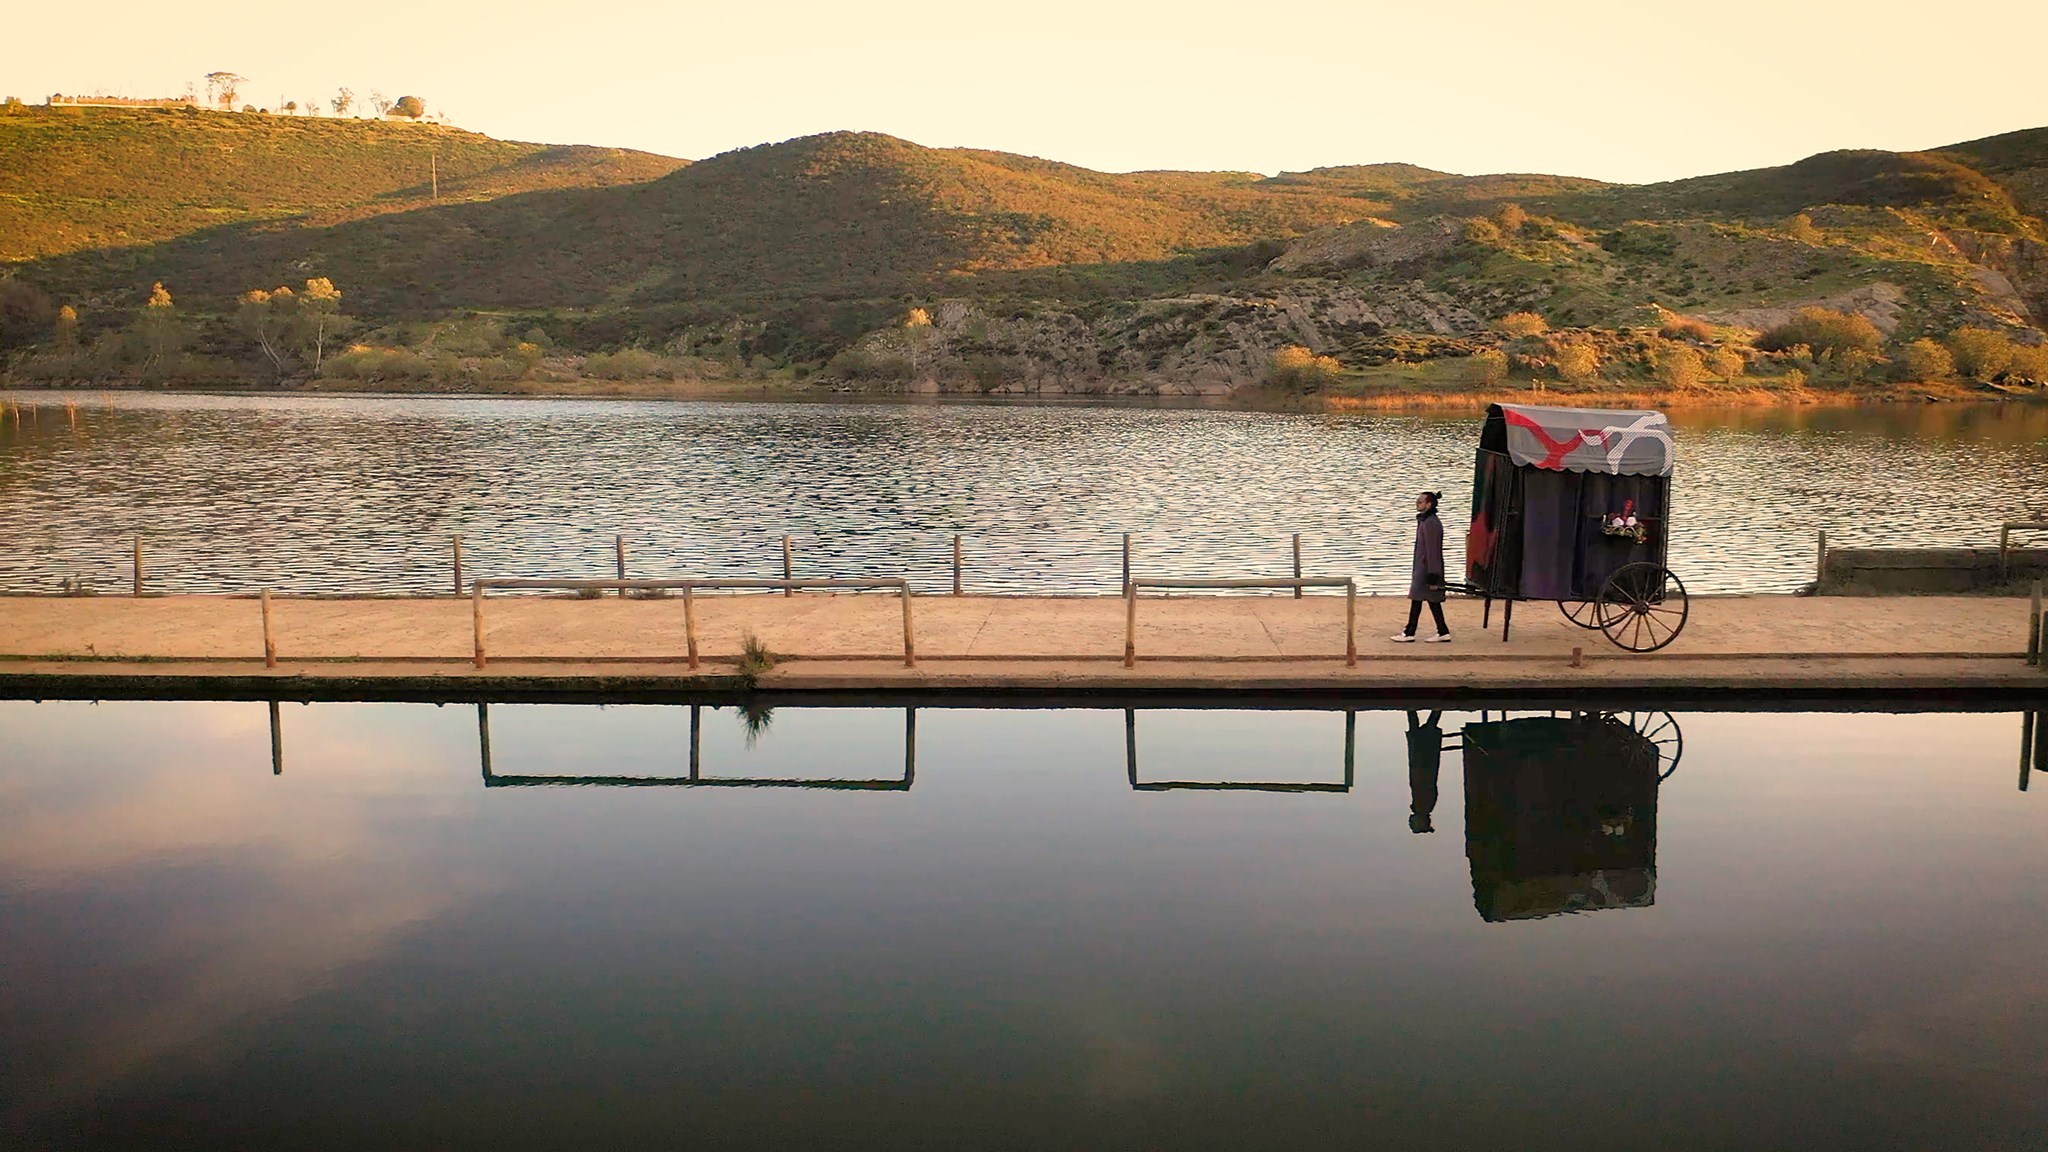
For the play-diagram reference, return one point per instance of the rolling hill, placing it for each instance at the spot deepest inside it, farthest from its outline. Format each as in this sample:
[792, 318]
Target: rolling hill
[816, 247]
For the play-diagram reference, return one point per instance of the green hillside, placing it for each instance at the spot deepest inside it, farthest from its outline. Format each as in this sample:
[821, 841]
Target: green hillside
[73, 179]
[807, 256]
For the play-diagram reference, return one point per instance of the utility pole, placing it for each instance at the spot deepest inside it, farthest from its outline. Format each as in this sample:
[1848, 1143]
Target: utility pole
[434, 173]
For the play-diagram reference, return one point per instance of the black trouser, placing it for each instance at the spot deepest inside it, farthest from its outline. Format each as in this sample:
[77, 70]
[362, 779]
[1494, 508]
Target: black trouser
[1415, 616]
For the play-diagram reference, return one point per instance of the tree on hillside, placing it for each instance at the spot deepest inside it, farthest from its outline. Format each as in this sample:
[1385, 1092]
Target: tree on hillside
[319, 317]
[223, 88]
[1926, 362]
[159, 336]
[410, 107]
[67, 328]
[378, 102]
[267, 318]
[1980, 353]
[1824, 330]
[342, 102]
[1577, 361]
[24, 309]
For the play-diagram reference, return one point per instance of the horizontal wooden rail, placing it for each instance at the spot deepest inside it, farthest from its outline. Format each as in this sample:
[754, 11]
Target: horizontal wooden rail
[688, 589]
[1349, 585]
[2005, 532]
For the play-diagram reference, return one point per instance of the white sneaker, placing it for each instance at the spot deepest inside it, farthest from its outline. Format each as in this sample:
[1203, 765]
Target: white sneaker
[1443, 639]
[1402, 638]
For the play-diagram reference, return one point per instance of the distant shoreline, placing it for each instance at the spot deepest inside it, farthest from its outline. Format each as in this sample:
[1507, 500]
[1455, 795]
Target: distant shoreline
[1760, 395]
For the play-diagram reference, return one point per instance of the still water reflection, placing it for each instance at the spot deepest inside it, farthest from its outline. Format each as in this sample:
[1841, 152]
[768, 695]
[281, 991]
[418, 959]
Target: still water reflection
[370, 926]
[363, 494]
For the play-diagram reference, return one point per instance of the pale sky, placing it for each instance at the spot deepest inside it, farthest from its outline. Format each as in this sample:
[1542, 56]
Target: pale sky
[1621, 91]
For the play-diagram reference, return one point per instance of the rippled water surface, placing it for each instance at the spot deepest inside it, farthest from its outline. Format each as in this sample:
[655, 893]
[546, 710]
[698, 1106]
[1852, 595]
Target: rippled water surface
[363, 494]
[653, 927]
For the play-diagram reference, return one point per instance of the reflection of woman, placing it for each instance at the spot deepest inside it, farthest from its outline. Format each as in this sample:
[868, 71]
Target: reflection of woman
[1426, 577]
[1425, 756]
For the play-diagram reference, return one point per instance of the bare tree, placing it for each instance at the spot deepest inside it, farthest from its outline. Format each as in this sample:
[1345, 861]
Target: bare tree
[223, 89]
[343, 101]
[378, 101]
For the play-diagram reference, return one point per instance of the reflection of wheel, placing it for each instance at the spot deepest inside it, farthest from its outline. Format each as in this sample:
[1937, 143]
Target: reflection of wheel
[1584, 613]
[1643, 607]
[1661, 730]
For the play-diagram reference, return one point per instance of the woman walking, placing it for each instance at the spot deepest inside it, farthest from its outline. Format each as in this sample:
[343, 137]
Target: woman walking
[1426, 578]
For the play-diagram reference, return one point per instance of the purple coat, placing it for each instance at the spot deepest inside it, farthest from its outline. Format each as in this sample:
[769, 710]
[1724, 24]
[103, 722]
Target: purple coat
[1426, 578]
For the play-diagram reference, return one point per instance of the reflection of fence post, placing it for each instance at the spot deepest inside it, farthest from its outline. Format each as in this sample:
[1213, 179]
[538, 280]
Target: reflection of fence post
[476, 618]
[909, 644]
[483, 737]
[956, 563]
[458, 563]
[1131, 744]
[696, 740]
[1297, 564]
[2029, 723]
[1350, 622]
[1350, 745]
[909, 746]
[690, 624]
[138, 563]
[269, 644]
[277, 743]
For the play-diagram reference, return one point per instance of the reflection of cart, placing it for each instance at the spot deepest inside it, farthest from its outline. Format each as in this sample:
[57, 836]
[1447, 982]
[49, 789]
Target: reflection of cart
[1561, 811]
[1570, 504]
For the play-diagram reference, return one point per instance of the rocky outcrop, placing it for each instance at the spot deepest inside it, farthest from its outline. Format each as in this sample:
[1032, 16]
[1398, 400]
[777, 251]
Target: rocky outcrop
[1204, 345]
[1371, 244]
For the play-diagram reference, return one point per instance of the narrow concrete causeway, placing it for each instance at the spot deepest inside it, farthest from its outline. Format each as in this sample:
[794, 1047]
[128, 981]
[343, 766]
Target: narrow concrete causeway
[1760, 645]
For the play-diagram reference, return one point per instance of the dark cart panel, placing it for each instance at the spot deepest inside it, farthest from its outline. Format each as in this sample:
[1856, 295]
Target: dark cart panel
[1573, 505]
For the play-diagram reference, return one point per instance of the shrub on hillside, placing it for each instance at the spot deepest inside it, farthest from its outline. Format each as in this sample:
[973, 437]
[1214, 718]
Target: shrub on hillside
[1518, 325]
[1926, 361]
[1510, 218]
[1728, 363]
[2029, 364]
[625, 364]
[1577, 361]
[1980, 353]
[365, 363]
[1680, 366]
[1489, 366]
[1301, 370]
[1824, 330]
[868, 364]
[1678, 327]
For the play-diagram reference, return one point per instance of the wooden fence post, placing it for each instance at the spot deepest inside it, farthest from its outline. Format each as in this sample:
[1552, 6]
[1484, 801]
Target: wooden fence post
[1820, 560]
[458, 563]
[269, 644]
[1130, 624]
[619, 542]
[1350, 624]
[788, 566]
[2034, 627]
[1297, 564]
[138, 563]
[909, 644]
[476, 618]
[690, 624]
[956, 563]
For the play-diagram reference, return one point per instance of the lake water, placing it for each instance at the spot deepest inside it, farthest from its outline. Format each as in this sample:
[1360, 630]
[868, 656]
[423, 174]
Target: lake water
[362, 494]
[867, 928]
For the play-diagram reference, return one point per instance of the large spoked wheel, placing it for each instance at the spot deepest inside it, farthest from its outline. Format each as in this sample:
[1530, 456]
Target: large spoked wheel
[1661, 730]
[1584, 613]
[1643, 607]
